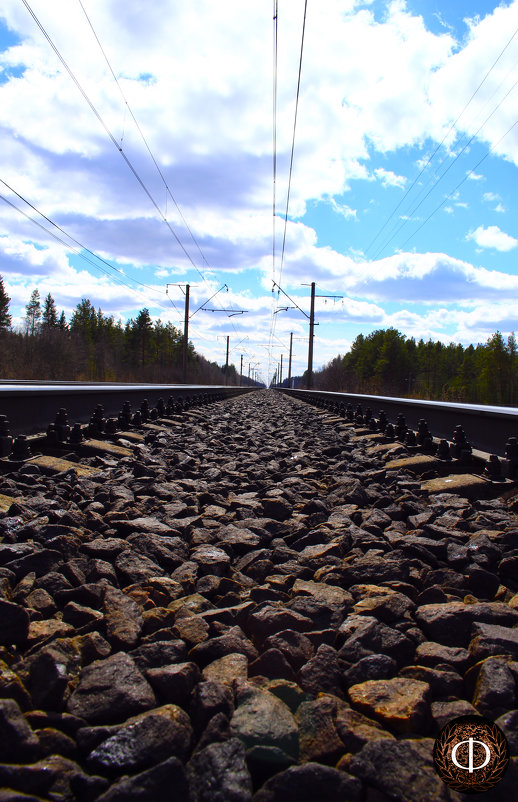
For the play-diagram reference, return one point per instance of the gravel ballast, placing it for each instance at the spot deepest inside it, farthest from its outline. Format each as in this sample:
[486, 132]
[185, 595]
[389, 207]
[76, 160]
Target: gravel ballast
[252, 606]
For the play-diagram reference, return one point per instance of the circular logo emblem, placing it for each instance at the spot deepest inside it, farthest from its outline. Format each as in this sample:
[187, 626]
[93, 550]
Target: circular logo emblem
[471, 754]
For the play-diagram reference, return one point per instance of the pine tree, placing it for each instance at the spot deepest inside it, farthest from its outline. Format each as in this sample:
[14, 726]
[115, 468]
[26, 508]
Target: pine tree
[62, 323]
[143, 325]
[33, 312]
[50, 315]
[5, 317]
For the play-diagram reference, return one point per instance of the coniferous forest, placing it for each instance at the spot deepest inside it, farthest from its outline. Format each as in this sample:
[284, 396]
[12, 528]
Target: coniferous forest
[388, 363]
[92, 346]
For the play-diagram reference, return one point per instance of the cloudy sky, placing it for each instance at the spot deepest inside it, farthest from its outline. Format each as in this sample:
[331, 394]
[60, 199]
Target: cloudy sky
[145, 131]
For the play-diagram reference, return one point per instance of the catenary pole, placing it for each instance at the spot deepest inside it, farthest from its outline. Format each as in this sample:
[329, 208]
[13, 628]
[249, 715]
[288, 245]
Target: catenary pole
[289, 363]
[311, 330]
[186, 333]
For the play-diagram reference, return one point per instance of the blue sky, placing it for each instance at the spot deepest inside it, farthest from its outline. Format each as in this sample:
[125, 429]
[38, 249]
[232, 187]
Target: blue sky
[403, 193]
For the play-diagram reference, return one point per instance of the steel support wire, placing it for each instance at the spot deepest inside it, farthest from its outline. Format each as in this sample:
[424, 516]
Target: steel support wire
[111, 137]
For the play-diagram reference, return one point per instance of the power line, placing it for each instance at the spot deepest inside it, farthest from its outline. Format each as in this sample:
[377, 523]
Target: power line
[439, 179]
[164, 181]
[274, 156]
[274, 132]
[477, 165]
[430, 159]
[73, 239]
[293, 139]
[71, 247]
[110, 135]
[114, 141]
[273, 318]
[168, 189]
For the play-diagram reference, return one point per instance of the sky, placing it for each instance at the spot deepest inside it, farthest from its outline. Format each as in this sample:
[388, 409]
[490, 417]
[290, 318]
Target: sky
[147, 133]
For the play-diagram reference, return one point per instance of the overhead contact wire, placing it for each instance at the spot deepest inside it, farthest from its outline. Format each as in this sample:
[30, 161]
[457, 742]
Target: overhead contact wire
[477, 165]
[168, 189]
[452, 127]
[110, 135]
[274, 165]
[71, 247]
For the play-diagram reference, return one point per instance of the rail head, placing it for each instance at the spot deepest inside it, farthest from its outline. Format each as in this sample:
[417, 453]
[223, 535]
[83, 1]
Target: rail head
[488, 428]
[30, 408]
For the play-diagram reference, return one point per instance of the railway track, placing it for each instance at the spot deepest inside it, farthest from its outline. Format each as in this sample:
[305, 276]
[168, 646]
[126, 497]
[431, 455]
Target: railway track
[251, 599]
[469, 434]
[30, 407]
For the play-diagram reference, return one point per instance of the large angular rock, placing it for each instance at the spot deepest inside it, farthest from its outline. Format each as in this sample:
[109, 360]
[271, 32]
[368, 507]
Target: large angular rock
[50, 671]
[211, 560]
[495, 691]
[228, 668]
[14, 623]
[296, 647]
[356, 730]
[365, 635]
[323, 673]
[191, 628]
[209, 699]
[401, 705]
[443, 712]
[31, 779]
[241, 539]
[147, 524]
[277, 508]
[134, 568]
[161, 783]
[111, 690]
[143, 741]
[508, 723]
[319, 740]
[491, 639]
[123, 619]
[450, 623]
[430, 653]
[270, 620]
[18, 742]
[218, 773]
[105, 548]
[272, 664]
[309, 783]
[444, 683]
[383, 603]
[12, 687]
[261, 719]
[401, 770]
[374, 666]
[231, 642]
[374, 570]
[174, 683]
[66, 779]
[330, 594]
[159, 653]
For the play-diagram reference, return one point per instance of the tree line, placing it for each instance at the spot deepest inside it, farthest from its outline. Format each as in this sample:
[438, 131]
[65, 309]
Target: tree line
[93, 346]
[386, 362]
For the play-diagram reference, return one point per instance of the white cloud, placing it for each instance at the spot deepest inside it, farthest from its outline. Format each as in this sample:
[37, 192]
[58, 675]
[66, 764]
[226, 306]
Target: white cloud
[343, 210]
[389, 178]
[198, 78]
[492, 237]
[490, 197]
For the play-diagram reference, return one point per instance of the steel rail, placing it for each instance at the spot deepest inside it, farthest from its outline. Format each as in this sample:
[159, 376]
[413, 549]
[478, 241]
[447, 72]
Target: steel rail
[31, 406]
[488, 428]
